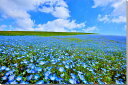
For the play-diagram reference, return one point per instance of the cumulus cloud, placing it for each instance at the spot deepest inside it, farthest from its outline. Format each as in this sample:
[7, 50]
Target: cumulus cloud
[100, 3]
[59, 25]
[118, 12]
[2, 27]
[58, 8]
[18, 10]
[119, 19]
[90, 29]
[103, 18]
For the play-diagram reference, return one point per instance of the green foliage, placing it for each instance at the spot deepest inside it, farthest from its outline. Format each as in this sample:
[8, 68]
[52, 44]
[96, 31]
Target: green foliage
[40, 33]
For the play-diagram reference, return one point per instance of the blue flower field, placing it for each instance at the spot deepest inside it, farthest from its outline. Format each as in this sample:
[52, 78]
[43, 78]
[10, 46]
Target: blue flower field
[76, 59]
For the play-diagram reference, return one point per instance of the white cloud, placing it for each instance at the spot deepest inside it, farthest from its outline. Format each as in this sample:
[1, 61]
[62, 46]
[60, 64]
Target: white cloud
[103, 18]
[119, 8]
[119, 19]
[118, 12]
[61, 12]
[110, 19]
[2, 27]
[100, 3]
[58, 8]
[18, 10]
[90, 29]
[59, 25]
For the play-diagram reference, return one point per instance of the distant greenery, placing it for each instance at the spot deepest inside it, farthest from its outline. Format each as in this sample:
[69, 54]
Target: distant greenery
[40, 33]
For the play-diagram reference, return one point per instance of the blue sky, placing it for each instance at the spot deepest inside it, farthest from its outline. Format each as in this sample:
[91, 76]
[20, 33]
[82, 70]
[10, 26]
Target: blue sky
[94, 16]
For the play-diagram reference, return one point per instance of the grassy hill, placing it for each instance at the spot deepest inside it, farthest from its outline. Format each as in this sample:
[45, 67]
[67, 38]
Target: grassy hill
[40, 33]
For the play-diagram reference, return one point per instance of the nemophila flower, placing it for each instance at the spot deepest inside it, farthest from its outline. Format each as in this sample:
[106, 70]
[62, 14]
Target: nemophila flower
[46, 77]
[28, 70]
[48, 82]
[58, 79]
[61, 69]
[36, 76]
[47, 73]
[79, 72]
[11, 77]
[7, 69]
[3, 68]
[40, 82]
[99, 81]
[42, 62]
[92, 83]
[66, 66]
[73, 76]
[52, 77]
[32, 66]
[9, 73]
[62, 75]
[31, 71]
[49, 68]
[13, 82]
[38, 68]
[72, 81]
[85, 82]
[84, 65]
[81, 77]
[117, 75]
[4, 78]
[31, 60]
[16, 64]
[7, 83]
[19, 57]
[29, 77]
[119, 82]
[23, 82]
[19, 78]
[54, 62]
[25, 62]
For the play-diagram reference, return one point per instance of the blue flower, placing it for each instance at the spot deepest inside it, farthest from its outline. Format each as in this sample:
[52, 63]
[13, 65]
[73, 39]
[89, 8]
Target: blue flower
[52, 77]
[23, 82]
[31, 71]
[62, 75]
[119, 81]
[47, 73]
[66, 66]
[85, 82]
[61, 69]
[40, 82]
[48, 82]
[36, 76]
[7, 69]
[25, 62]
[42, 62]
[3, 68]
[19, 78]
[29, 77]
[13, 82]
[15, 64]
[11, 77]
[81, 77]
[4, 77]
[38, 68]
[99, 80]
[72, 81]
[58, 79]
[73, 76]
